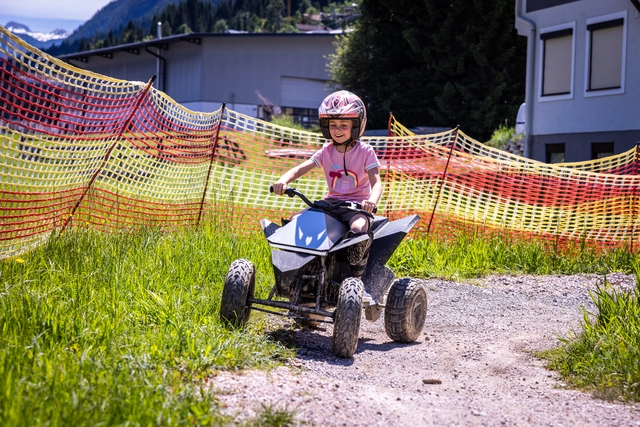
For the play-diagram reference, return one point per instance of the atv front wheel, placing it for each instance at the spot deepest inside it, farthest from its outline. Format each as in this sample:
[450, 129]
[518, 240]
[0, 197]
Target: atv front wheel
[347, 315]
[238, 288]
[406, 310]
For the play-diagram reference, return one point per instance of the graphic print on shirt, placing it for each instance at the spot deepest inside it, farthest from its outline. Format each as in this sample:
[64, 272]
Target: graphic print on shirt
[342, 181]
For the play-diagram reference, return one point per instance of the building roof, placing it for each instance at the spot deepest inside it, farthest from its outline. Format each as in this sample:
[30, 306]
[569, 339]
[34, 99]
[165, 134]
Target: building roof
[163, 43]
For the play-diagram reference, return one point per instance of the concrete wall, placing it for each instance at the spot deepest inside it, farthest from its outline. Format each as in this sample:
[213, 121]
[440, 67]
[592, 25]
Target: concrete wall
[578, 145]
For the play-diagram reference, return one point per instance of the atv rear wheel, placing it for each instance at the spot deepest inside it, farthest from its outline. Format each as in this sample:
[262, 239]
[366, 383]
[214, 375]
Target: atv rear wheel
[238, 288]
[347, 315]
[406, 310]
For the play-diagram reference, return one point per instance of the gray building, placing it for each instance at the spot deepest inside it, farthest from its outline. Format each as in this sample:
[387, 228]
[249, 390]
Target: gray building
[583, 79]
[201, 71]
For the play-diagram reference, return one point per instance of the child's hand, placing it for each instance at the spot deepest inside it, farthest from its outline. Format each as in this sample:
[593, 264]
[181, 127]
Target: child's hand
[368, 206]
[279, 188]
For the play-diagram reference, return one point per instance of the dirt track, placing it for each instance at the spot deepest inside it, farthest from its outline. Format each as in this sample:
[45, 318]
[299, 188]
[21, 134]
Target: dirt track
[478, 342]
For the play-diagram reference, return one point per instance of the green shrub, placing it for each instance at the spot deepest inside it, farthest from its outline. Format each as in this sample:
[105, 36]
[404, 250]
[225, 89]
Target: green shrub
[503, 137]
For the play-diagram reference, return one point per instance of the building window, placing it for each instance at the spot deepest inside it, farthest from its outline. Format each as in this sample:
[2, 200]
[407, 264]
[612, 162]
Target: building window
[601, 149]
[606, 47]
[555, 153]
[557, 62]
[306, 117]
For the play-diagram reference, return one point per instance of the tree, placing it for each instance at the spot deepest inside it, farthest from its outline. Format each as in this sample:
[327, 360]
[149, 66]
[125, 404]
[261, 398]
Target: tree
[435, 63]
[203, 16]
[275, 15]
[220, 26]
[130, 33]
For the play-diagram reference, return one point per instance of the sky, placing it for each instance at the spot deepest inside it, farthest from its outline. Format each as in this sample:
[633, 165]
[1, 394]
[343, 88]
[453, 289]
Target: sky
[47, 15]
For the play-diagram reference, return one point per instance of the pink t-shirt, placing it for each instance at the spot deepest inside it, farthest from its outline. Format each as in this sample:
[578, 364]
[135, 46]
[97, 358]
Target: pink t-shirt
[353, 185]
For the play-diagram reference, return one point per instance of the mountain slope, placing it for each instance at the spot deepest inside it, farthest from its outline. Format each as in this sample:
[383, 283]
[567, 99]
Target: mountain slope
[37, 39]
[115, 16]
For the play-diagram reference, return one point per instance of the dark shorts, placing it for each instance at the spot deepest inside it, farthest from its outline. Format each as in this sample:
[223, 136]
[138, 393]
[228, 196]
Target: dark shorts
[344, 214]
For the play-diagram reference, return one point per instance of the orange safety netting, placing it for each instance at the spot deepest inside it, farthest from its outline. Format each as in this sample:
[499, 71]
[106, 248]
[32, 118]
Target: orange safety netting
[81, 149]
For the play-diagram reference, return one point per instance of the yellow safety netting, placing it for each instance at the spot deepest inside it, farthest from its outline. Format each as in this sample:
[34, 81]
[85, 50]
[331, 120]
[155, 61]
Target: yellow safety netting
[81, 149]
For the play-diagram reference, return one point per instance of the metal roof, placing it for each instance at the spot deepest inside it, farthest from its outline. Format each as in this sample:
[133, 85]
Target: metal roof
[163, 43]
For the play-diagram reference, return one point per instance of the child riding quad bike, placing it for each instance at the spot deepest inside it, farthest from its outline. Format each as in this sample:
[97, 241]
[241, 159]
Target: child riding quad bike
[312, 272]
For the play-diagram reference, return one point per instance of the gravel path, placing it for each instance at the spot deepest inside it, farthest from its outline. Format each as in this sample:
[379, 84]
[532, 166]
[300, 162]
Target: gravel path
[472, 366]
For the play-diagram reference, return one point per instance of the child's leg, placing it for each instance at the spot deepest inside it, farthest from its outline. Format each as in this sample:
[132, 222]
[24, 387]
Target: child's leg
[359, 253]
[359, 224]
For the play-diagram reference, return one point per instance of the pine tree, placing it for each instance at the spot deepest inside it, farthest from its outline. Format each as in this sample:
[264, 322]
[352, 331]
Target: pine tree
[275, 15]
[203, 16]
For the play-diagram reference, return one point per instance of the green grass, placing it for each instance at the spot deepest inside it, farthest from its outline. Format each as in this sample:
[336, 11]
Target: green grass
[115, 329]
[605, 357]
[272, 416]
[466, 257]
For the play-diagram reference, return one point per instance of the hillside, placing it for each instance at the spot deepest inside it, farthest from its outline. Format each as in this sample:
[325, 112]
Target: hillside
[127, 21]
[115, 15]
[37, 39]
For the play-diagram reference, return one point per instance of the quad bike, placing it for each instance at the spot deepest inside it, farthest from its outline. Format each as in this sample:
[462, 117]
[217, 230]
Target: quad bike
[311, 272]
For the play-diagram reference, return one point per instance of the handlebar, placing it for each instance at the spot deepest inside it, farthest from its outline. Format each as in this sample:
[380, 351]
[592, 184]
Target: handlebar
[321, 204]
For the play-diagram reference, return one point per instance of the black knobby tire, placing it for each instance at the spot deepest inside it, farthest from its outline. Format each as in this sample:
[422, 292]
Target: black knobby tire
[406, 310]
[238, 288]
[347, 315]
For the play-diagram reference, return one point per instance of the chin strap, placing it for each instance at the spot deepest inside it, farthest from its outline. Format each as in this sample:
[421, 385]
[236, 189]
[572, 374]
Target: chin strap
[348, 143]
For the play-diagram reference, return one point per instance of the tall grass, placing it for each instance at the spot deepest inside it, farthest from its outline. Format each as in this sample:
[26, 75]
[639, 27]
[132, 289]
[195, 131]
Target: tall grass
[116, 329]
[605, 356]
[467, 256]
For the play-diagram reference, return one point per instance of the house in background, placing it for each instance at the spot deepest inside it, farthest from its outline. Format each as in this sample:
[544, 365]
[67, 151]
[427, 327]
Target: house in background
[583, 77]
[247, 71]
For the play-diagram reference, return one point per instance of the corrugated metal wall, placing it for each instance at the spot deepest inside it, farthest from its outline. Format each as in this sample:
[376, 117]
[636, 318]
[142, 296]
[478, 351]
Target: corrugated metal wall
[231, 68]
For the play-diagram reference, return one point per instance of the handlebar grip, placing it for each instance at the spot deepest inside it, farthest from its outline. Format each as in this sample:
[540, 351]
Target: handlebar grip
[290, 191]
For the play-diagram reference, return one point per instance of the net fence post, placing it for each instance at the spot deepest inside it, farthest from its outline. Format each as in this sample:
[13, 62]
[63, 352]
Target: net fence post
[634, 205]
[213, 155]
[390, 135]
[142, 96]
[444, 175]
